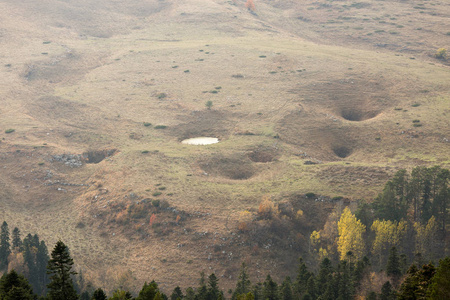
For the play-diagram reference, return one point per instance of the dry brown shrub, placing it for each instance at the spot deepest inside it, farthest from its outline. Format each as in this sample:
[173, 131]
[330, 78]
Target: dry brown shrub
[250, 5]
[267, 209]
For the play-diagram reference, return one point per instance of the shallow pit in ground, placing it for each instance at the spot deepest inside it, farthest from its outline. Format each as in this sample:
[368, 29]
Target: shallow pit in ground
[96, 156]
[342, 151]
[235, 166]
[263, 155]
[354, 114]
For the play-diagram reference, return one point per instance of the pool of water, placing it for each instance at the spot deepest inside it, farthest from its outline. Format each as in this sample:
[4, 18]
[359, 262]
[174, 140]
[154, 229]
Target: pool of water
[201, 141]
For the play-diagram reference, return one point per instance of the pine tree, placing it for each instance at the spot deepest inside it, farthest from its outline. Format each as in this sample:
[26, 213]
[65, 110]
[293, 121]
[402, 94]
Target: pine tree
[15, 286]
[286, 289]
[303, 276]
[121, 295]
[148, 291]
[202, 291]
[99, 294]
[387, 292]
[16, 240]
[41, 268]
[5, 247]
[440, 284]
[60, 269]
[324, 278]
[190, 294]
[213, 287]
[257, 291]
[393, 266]
[270, 289]
[176, 294]
[243, 285]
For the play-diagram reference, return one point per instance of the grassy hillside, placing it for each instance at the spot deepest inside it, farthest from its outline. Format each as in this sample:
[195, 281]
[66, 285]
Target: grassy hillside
[330, 97]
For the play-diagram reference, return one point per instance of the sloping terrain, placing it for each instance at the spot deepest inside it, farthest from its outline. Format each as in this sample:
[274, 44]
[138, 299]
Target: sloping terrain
[350, 88]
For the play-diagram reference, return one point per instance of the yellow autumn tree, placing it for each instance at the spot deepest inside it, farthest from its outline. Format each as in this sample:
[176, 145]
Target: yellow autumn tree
[387, 234]
[425, 237]
[351, 232]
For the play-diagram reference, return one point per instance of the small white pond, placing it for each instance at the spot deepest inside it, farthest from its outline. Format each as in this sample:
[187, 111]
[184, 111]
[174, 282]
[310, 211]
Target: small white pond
[201, 141]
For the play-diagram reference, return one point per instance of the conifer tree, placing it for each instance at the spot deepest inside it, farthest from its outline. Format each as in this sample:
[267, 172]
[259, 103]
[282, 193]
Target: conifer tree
[387, 292]
[99, 294]
[303, 276]
[324, 278]
[190, 294]
[5, 247]
[13, 285]
[16, 240]
[393, 266]
[41, 268]
[148, 291]
[213, 287]
[286, 289]
[176, 294]
[440, 284]
[202, 291]
[270, 289]
[243, 285]
[60, 270]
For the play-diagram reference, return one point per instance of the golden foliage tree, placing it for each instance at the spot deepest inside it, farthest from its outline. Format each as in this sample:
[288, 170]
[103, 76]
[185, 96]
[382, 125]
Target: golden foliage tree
[388, 234]
[425, 237]
[351, 232]
[250, 5]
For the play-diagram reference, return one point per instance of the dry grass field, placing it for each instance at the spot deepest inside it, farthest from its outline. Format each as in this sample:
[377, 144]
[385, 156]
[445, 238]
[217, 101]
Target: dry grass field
[338, 84]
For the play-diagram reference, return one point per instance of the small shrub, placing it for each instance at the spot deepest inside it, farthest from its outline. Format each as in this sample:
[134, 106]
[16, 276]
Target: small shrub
[156, 203]
[417, 125]
[262, 56]
[398, 108]
[144, 151]
[415, 104]
[9, 130]
[147, 124]
[441, 53]
[174, 67]
[156, 194]
[214, 91]
[40, 164]
[377, 138]
[209, 104]
[162, 188]
[161, 95]
[218, 87]
[237, 76]
[416, 121]
[186, 71]
[46, 42]
[160, 127]
[310, 195]
[337, 198]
